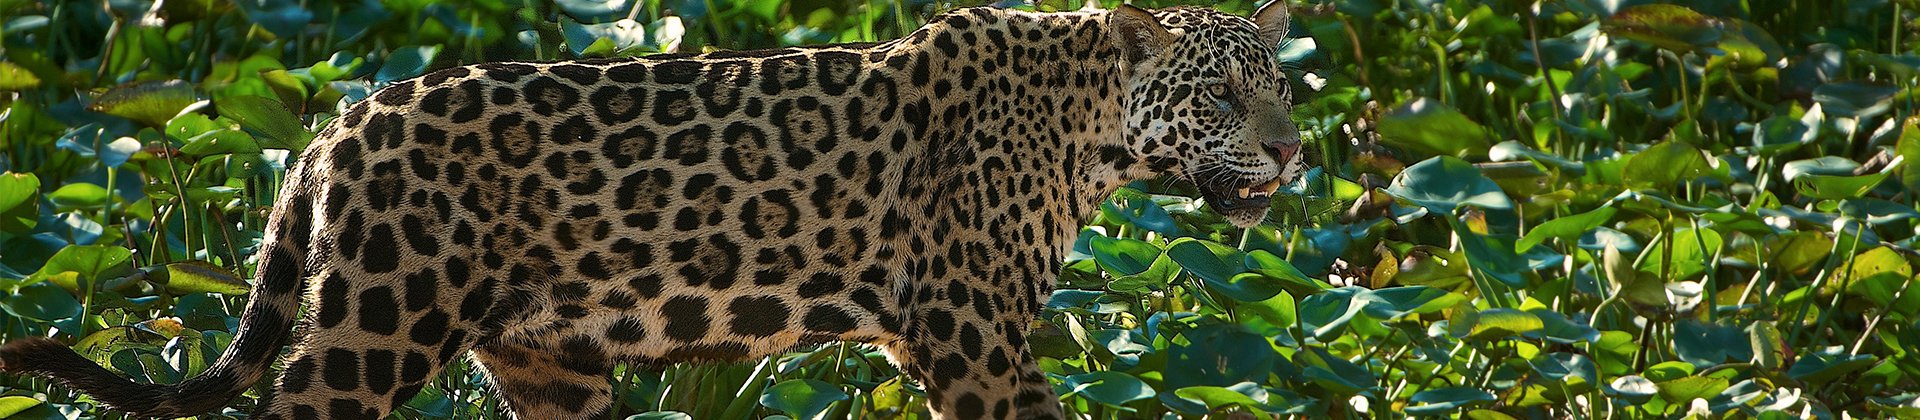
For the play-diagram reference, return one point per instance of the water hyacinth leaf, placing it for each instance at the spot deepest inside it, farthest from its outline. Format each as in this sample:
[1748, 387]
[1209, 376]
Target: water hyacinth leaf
[1705, 344]
[1666, 26]
[1430, 127]
[1216, 397]
[1223, 269]
[1908, 148]
[1633, 388]
[1557, 328]
[1278, 311]
[276, 126]
[82, 262]
[1854, 99]
[1272, 266]
[1565, 228]
[1511, 150]
[406, 62]
[1832, 187]
[41, 301]
[1668, 163]
[198, 277]
[1824, 165]
[1220, 355]
[1780, 134]
[1333, 373]
[1325, 315]
[1390, 303]
[1575, 371]
[17, 189]
[1440, 401]
[1494, 324]
[18, 407]
[802, 398]
[79, 196]
[1493, 255]
[1692, 248]
[661, 415]
[602, 39]
[1881, 260]
[1442, 184]
[151, 103]
[1123, 256]
[1825, 365]
[14, 78]
[1692, 387]
[220, 142]
[1140, 210]
[1108, 387]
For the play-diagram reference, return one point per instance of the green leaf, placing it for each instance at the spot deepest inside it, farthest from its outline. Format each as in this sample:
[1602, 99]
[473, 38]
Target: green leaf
[1223, 269]
[1324, 316]
[1684, 390]
[1825, 365]
[1216, 398]
[1440, 401]
[16, 407]
[1109, 387]
[84, 262]
[1633, 388]
[19, 207]
[1390, 303]
[802, 398]
[1335, 374]
[197, 276]
[14, 78]
[277, 127]
[1444, 183]
[1908, 148]
[79, 195]
[1854, 99]
[1219, 355]
[406, 63]
[150, 103]
[1433, 128]
[1565, 228]
[41, 301]
[1666, 164]
[1496, 323]
[1124, 256]
[1666, 26]
[1692, 248]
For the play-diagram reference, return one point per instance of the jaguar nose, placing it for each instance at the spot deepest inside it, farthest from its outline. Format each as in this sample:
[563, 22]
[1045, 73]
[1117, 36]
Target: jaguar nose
[1285, 151]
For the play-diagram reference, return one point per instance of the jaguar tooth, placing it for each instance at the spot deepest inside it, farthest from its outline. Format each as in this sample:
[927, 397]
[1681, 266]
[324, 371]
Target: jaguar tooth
[1270, 186]
[1246, 192]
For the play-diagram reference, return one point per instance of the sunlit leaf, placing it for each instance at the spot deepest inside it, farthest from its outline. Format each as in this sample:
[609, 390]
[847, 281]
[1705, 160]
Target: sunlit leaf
[150, 103]
[1440, 401]
[1444, 183]
[802, 398]
[1433, 128]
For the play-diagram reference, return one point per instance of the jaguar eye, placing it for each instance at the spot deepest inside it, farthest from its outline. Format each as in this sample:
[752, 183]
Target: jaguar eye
[1218, 90]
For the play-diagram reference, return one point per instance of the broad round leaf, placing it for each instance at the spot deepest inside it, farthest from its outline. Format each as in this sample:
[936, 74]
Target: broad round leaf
[1439, 401]
[1430, 127]
[150, 103]
[1110, 388]
[1444, 183]
[802, 398]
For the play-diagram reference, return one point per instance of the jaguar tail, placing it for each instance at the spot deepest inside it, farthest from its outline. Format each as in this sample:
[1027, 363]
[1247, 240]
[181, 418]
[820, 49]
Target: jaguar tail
[265, 326]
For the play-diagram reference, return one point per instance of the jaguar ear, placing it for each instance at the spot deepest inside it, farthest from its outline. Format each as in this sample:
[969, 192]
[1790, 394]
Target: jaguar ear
[1136, 32]
[1272, 19]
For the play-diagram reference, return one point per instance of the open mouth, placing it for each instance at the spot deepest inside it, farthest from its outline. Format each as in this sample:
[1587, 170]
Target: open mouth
[1248, 197]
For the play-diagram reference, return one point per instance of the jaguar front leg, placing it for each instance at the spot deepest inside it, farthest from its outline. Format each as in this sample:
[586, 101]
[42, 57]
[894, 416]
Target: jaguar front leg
[974, 367]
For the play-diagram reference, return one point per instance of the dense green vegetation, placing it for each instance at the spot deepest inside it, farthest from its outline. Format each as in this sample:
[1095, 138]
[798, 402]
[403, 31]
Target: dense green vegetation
[1566, 209]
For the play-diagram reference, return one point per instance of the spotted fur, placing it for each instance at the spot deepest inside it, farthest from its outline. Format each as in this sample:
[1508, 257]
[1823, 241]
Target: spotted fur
[555, 219]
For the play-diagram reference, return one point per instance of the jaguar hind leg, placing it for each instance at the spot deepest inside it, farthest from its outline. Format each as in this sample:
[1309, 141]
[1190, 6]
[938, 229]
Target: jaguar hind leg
[571, 382]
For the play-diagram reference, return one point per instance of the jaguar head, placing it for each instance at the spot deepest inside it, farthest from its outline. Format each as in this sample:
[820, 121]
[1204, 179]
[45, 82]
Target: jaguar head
[1210, 103]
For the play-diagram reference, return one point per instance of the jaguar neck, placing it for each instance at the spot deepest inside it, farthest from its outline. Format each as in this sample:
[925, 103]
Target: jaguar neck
[1046, 90]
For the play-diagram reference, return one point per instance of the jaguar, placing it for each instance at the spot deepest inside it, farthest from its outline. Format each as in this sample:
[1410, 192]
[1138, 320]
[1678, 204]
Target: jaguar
[550, 220]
